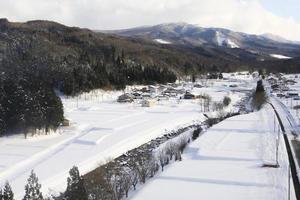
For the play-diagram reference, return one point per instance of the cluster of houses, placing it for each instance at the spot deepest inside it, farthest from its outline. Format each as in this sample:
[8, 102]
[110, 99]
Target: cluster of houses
[150, 95]
[280, 85]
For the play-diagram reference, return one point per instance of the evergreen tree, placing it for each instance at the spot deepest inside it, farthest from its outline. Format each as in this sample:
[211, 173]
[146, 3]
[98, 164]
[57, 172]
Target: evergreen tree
[32, 188]
[75, 188]
[7, 192]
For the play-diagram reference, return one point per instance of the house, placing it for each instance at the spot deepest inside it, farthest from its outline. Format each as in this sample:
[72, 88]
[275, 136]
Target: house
[148, 103]
[137, 95]
[152, 89]
[169, 90]
[180, 91]
[290, 82]
[144, 89]
[198, 86]
[280, 95]
[162, 97]
[125, 98]
[275, 86]
[161, 88]
[188, 95]
[292, 94]
[146, 95]
[213, 76]
[66, 122]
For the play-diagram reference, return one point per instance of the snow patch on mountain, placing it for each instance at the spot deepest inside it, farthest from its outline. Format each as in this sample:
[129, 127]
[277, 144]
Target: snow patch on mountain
[161, 41]
[278, 56]
[222, 40]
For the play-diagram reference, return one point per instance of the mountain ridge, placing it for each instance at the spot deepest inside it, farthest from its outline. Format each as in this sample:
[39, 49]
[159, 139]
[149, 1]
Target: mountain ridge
[194, 35]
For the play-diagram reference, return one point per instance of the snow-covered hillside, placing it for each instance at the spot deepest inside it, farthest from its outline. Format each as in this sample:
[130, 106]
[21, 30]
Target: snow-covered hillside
[161, 41]
[222, 40]
[278, 56]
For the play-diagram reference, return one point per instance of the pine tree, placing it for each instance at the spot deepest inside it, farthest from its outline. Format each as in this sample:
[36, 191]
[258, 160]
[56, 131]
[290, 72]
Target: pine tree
[75, 188]
[32, 189]
[7, 192]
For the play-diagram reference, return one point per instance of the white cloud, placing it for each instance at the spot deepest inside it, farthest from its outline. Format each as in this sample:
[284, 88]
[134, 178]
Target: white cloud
[239, 15]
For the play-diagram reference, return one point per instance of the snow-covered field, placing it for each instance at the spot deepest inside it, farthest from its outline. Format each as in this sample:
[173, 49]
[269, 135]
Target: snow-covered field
[100, 129]
[226, 163]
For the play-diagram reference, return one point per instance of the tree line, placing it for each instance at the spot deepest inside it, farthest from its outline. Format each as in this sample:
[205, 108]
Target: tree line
[28, 102]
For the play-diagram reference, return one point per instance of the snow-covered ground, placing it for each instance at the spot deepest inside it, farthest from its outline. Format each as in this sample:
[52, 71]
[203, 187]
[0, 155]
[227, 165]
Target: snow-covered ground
[161, 41]
[278, 56]
[226, 163]
[288, 104]
[100, 129]
[223, 40]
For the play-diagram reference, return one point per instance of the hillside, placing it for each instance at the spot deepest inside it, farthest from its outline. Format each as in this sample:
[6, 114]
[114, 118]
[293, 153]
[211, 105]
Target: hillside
[38, 57]
[196, 36]
[250, 51]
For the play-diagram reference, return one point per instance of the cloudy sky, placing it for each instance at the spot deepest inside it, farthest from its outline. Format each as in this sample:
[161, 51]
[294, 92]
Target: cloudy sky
[279, 17]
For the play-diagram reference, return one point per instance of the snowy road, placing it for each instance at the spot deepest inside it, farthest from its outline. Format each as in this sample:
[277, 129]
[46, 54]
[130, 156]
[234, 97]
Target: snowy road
[226, 163]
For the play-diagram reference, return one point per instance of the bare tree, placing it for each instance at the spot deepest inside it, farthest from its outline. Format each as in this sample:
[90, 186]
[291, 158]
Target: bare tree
[170, 149]
[207, 102]
[216, 106]
[182, 143]
[134, 178]
[162, 158]
[126, 180]
[143, 165]
[204, 80]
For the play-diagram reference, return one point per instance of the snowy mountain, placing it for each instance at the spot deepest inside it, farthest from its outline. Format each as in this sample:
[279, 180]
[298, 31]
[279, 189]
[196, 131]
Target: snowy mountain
[222, 40]
[196, 36]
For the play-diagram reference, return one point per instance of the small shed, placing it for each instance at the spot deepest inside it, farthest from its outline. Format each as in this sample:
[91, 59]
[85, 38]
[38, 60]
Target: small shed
[66, 122]
[148, 103]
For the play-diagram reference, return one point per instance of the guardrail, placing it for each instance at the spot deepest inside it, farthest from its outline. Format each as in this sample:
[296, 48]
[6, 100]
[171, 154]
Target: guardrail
[292, 161]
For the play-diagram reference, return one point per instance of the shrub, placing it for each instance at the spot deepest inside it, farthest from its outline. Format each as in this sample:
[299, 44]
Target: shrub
[196, 133]
[226, 101]
[259, 99]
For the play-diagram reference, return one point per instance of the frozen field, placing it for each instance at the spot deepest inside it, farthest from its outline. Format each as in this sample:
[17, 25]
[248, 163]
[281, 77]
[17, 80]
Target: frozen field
[100, 129]
[226, 163]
